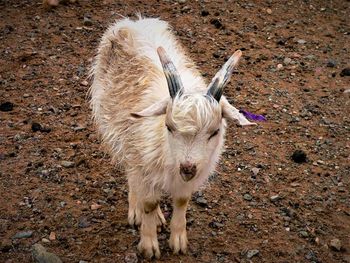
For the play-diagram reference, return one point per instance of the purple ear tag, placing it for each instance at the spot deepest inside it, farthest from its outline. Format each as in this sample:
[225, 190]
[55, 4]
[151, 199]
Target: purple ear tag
[252, 116]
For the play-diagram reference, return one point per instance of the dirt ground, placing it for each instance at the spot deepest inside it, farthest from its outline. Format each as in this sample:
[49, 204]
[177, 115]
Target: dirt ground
[261, 206]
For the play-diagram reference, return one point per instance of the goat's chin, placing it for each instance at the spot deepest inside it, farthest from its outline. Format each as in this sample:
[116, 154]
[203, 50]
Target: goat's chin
[187, 177]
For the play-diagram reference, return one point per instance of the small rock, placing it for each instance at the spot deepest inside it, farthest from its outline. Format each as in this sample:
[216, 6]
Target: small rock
[201, 201]
[252, 253]
[83, 222]
[37, 127]
[204, 13]
[215, 224]
[216, 22]
[181, 1]
[52, 236]
[299, 156]
[269, 11]
[301, 41]
[23, 234]
[95, 206]
[331, 63]
[131, 258]
[26, 95]
[336, 244]
[6, 106]
[275, 198]
[311, 256]
[67, 164]
[40, 255]
[84, 83]
[345, 72]
[279, 66]
[287, 61]
[45, 240]
[87, 21]
[247, 197]
[255, 171]
[304, 233]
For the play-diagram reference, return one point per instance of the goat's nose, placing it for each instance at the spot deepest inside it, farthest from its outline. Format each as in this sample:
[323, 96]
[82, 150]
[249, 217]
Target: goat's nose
[188, 171]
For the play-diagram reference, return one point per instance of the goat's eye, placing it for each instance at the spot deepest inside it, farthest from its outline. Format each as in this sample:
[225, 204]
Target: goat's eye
[214, 134]
[168, 128]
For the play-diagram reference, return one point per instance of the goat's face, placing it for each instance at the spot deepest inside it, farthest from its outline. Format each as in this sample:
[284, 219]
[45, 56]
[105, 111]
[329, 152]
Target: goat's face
[195, 130]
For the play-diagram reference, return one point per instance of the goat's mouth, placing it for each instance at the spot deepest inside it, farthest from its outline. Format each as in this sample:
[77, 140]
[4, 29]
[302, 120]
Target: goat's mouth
[187, 176]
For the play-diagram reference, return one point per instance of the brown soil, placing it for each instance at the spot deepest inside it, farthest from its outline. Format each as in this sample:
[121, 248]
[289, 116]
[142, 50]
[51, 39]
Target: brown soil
[44, 63]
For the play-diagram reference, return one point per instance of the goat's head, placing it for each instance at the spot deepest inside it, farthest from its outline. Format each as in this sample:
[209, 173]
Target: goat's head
[194, 122]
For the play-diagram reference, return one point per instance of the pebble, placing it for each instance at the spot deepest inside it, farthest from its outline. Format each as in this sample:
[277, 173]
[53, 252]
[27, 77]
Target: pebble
[82, 261]
[304, 233]
[87, 21]
[83, 222]
[279, 66]
[84, 83]
[204, 13]
[255, 171]
[331, 63]
[26, 95]
[67, 164]
[287, 61]
[252, 253]
[131, 258]
[299, 156]
[336, 244]
[216, 22]
[301, 41]
[38, 127]
[52, 236]
[269, 11]
[247, 197]
[201, 201]
[345, 72]
[23, 234]
[6, 106]
[45, 240]
[275, 198]
[40, 255]
[95, 206]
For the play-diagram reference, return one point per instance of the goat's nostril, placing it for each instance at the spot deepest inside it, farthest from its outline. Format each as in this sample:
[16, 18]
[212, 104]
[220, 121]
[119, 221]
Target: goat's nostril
[188, 171]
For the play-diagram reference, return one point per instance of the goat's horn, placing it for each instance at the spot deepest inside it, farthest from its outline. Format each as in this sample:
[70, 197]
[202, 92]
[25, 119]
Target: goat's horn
[216, 87]
[170, 72]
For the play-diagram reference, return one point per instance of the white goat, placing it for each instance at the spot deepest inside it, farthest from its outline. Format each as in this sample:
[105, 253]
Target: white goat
[159, 120]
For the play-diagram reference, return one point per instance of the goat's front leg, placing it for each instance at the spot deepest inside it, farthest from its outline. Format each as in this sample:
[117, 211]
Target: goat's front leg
[148, 245]
[178, 237]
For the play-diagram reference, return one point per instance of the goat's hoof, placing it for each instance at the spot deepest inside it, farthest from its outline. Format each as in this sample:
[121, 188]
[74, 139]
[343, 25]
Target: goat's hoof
[134, 217]
[149, 247]
[178, 242]
[161, 220]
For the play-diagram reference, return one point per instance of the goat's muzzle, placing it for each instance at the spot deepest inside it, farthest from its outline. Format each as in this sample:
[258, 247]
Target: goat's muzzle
[188, 171]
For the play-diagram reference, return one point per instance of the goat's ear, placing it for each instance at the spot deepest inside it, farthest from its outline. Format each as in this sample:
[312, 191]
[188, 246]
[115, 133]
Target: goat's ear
[231, 113]
[155, 109]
